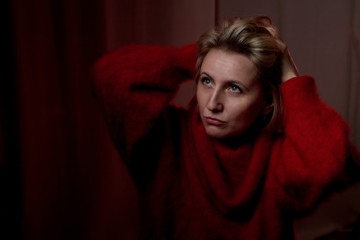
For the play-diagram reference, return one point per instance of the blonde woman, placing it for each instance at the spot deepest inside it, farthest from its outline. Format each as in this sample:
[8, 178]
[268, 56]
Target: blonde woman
[256, 148]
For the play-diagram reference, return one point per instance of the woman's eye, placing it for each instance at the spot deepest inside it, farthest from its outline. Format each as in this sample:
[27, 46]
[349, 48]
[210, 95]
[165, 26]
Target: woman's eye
[235, 89]
[206, 81]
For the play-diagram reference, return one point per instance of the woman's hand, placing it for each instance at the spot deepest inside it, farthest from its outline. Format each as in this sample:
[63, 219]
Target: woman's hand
[289, 69]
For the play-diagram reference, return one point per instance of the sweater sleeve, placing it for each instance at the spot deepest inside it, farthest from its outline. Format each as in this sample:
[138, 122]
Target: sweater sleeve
[135, 84]
[315, 155]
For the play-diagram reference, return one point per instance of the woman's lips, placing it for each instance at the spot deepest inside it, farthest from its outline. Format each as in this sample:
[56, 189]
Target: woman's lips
[214, 121]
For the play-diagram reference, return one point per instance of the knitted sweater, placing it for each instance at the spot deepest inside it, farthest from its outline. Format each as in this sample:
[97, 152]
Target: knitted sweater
[194, 187]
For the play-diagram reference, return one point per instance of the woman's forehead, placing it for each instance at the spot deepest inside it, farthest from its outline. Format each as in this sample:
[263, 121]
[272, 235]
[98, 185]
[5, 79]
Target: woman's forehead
[224, 65]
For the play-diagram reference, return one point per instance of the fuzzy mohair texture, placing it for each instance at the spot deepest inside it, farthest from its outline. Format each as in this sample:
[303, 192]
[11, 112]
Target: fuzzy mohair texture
[191, 186]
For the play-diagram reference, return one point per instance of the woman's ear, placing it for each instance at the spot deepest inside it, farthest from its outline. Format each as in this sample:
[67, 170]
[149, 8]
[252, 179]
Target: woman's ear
[266, 110]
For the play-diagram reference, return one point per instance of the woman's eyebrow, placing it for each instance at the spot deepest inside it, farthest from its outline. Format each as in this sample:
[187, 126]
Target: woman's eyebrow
[205, 73]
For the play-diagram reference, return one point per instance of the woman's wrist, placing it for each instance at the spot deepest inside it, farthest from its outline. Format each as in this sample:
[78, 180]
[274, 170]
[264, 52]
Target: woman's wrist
[289, 68]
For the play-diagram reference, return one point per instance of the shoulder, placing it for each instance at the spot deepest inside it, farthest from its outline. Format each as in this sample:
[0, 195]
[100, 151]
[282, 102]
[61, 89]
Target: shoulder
[301, 82]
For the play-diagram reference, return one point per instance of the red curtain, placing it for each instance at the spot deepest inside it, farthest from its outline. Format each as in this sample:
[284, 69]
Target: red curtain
[73, 184]
[67, 181]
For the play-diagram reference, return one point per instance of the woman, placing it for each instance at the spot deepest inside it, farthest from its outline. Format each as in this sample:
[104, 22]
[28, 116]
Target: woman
[256, 148]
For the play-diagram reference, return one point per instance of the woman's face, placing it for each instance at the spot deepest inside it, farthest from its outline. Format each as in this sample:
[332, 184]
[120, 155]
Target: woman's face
[229, 94]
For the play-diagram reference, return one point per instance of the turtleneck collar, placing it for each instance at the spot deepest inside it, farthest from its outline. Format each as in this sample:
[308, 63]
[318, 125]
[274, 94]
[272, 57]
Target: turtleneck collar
[231, 173]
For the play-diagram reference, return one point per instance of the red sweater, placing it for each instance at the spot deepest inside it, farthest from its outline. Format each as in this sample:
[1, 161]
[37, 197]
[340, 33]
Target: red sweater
[194, 187]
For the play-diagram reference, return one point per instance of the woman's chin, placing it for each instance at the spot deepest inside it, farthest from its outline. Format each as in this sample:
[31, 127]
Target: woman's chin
[214, 132]
[223, 134]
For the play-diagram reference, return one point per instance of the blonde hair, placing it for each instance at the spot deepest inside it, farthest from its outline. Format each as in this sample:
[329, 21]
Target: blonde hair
[251, 38]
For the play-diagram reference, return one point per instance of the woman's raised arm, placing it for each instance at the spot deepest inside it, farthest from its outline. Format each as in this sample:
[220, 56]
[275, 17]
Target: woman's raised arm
[315, 155]
[134, 85]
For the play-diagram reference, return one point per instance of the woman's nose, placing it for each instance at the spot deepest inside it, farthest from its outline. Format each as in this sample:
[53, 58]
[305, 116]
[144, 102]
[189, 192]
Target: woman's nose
[215, 103]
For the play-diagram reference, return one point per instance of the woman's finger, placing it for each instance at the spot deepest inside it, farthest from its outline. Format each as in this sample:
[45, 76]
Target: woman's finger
[273, 30]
